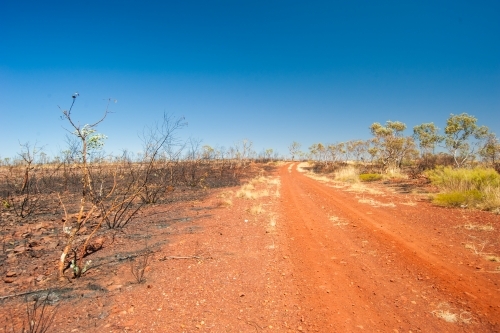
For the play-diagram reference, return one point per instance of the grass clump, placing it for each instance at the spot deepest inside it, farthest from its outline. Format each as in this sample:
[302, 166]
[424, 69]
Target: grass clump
[256, 210]
[369, 177]
[478, 187]
[348, 174]
[458, 198]
[395, 173]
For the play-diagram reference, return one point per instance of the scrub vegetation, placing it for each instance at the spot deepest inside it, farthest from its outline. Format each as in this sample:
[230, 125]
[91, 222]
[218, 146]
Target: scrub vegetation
[462, 161]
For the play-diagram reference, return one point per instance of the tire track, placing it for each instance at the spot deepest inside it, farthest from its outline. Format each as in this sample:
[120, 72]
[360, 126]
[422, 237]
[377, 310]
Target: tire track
[367, 275]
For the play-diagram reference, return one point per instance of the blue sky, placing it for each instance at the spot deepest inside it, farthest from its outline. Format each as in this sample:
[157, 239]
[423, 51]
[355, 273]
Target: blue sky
[270, 71]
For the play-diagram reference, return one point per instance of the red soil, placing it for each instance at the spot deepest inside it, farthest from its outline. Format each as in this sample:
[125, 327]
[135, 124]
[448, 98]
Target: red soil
[315, 260]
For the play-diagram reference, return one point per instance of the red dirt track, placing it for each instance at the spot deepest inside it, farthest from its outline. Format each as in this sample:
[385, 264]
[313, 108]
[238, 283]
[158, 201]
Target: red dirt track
[387, 269]
[319, 256]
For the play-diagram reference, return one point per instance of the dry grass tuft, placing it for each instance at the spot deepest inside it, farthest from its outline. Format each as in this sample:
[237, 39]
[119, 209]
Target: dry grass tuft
[272, 221]
[256, 209]
[246, 194]
[492, 258]
[347, 174]
[409, 203]
[274, 181]
[395, 173]
[338, 221]
[362, 188]
[476, 248]
[447, 313]
[260, 179]
[375, 203]
[248, 187]
[471, 226]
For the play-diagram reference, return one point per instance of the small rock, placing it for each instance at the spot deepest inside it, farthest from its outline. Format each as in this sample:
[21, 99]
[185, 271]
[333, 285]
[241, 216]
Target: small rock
[11, 274]
[8, 279]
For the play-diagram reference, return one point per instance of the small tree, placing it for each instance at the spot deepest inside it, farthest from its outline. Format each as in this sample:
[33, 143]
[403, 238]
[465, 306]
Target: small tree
[463, 137]
[89, 140]
[318, 151]
[268, 153]
[294, 149]
[335, 151]
[23, 189]
[490, 151]
[358, 149]
[392, 145]
[427, 136]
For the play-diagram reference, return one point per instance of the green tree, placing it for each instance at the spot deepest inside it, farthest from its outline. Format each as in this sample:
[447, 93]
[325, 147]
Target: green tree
[392, 145]
[490, 151]
[463, 137]
[427, 135]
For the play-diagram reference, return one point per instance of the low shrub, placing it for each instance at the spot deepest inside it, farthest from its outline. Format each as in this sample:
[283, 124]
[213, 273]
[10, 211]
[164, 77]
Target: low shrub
[478, 187]
[370, 177]
[458, 199]
[464, 179]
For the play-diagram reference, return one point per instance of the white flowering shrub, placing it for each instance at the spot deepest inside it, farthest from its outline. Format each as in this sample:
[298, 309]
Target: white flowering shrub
[94, 140]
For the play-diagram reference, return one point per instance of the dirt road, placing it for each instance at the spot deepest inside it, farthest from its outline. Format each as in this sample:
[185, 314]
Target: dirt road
[281, 253]
[384, 263]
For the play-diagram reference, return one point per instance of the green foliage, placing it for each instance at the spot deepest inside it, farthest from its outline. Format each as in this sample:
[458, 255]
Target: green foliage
[478, 187]
[458, 198]
[370, 177]
[427, 136]
[463, 137]
[464, 179]
[390, 145]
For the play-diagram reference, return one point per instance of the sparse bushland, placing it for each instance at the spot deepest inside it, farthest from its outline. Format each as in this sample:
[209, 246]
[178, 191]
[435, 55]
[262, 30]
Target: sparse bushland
[95, 192]
[475, 188]
[467, 173]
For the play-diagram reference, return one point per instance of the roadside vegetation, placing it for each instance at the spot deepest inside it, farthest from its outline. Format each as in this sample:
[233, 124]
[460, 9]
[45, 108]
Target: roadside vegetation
[88, 193]
[462, 161]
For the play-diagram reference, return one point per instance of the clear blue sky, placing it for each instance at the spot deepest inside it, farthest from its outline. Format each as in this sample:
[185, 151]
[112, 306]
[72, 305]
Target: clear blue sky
[270, 71]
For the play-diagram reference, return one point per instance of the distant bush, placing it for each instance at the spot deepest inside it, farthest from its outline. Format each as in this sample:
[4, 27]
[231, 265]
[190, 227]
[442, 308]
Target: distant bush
[478, 187]
[370, 177]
